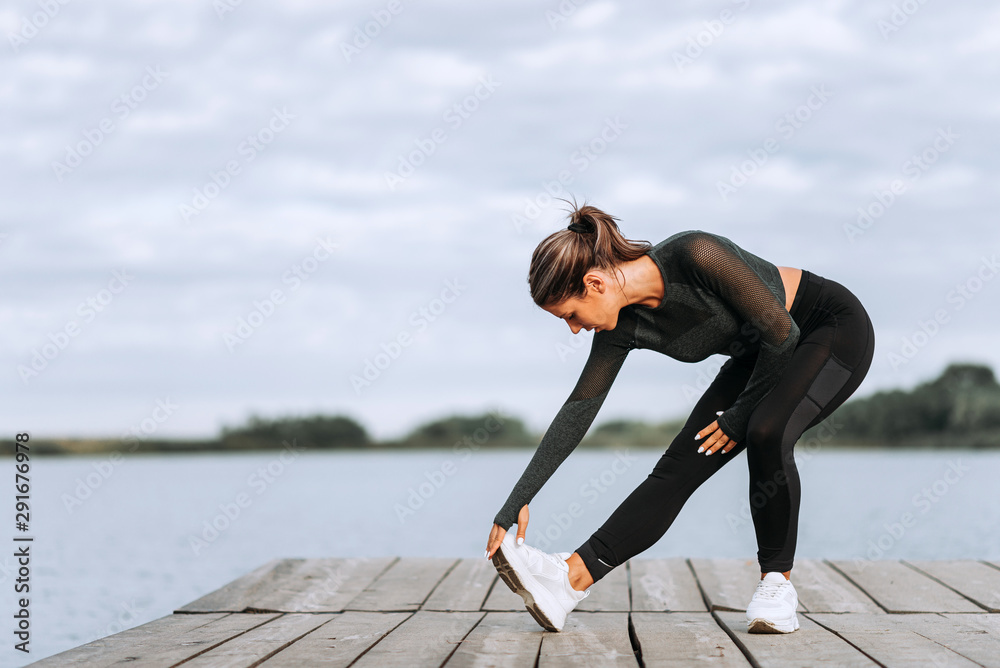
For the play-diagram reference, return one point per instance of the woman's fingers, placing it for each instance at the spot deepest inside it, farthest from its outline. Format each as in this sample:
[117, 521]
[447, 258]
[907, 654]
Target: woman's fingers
[497, 533]
[714, 442]
[729, 445]
[522, 524]
[496, 537]
[707, 431]
[723, 442]
[719, 443]
[715, 439]
[707, 436]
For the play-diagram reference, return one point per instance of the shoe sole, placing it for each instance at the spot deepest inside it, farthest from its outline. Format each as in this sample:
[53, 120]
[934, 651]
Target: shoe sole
[760, 625]
[511, 579]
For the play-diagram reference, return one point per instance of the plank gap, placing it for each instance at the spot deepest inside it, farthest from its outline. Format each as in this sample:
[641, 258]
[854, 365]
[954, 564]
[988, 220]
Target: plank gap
[858, 585]
[844, 638]
[945, 584]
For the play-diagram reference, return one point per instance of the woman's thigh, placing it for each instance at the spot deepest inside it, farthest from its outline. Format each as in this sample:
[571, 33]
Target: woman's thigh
[852, 349]
[682, 458]
[830, 361]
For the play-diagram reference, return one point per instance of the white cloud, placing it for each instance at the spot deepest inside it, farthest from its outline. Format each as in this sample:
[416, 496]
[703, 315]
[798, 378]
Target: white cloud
[593, 14]
[647, 189]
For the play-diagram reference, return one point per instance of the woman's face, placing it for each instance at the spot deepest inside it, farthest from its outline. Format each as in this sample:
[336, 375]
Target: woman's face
[596, 310]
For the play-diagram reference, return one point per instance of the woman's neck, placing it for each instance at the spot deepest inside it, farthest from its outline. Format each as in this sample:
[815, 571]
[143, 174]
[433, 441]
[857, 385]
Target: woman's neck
[643, 284]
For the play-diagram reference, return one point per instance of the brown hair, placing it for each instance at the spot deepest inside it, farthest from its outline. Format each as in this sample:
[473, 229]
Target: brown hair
[563, 258]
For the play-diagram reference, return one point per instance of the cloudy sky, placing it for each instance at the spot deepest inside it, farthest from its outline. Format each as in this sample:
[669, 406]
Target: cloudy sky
[222, 207]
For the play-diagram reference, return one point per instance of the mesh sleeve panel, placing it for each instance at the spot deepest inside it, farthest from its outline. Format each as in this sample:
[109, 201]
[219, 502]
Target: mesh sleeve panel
[607, 354]
[716, 264]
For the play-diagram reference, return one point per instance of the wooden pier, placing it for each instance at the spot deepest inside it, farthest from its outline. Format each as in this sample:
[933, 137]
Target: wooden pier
[650, 612]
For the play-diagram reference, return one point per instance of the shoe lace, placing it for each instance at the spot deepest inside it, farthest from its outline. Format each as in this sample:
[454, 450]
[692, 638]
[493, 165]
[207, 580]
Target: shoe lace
[553, 558]
[769, 590]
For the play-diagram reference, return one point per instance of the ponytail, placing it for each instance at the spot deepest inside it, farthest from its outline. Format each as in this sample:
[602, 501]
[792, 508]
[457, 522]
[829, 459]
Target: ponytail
[592, 240]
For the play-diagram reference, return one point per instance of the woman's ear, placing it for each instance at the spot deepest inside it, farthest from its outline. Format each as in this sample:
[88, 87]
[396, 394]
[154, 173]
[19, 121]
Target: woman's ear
[595, 281]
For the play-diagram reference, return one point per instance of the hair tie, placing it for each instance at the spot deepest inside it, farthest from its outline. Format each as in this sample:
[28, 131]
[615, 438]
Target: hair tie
[578, 227]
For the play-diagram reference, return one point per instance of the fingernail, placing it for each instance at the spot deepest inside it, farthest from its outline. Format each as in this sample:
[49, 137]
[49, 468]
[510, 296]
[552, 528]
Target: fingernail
[520, 540]
[708, 453]
[718, 412]
[697, 436]
[701, 449]
[486, 554]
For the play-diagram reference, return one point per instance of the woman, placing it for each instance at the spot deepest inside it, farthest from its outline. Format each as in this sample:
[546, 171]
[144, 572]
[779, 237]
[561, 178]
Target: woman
[799, 345]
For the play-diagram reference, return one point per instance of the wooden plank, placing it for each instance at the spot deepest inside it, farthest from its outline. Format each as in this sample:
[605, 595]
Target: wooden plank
[159, 643]
[340, 641]
[610, 594]
[261, 642]
[500, 640]
[822, 589]
[684, 638]
[465, 587]
[972, 579]
[232, 596]
[729, 584]
[665, 584]
[976, 637]
[897, 640]
[501, 598]
[403, 586]
[589, 639]
[294, 585]
[811, 644]
[899, 588]
[319, 585]
[427, 638]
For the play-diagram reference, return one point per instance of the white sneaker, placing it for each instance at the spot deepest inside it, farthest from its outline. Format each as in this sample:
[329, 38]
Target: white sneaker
[772, 609]
[540, 579]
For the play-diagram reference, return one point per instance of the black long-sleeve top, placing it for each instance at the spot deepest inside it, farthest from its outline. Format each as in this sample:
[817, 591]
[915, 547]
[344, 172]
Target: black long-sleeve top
[718, 299]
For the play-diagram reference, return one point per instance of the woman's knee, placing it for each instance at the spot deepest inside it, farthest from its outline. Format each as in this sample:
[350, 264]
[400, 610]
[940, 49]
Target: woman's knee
[764, 429]
[767, 447]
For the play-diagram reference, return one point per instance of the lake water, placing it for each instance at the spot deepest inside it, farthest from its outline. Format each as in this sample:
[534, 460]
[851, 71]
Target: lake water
[142, 542]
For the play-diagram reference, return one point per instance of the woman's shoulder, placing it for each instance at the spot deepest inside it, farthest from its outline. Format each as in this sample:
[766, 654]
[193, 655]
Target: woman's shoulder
[687, 243]
[684, 239]
[697, 242]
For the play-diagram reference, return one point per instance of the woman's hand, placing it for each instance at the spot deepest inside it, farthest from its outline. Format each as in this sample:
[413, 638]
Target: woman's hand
[498, 533]
[716, 438]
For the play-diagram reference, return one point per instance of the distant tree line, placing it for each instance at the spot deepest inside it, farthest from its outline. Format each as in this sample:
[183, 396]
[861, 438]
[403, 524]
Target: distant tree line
[960, 408]
[319, 431]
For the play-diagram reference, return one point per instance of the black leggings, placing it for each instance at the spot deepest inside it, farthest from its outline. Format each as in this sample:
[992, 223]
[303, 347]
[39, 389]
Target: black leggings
[833, 355]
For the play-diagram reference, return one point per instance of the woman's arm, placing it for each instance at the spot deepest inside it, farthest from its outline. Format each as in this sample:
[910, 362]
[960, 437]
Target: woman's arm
[608, 351]
[716, 264]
